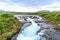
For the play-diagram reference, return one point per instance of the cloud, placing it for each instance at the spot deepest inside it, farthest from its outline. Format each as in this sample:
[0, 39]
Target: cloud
[18, 7]
[15, 7]
[54, 6]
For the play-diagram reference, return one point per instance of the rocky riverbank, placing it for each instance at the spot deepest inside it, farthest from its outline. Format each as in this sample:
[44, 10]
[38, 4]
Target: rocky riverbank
[47, 29]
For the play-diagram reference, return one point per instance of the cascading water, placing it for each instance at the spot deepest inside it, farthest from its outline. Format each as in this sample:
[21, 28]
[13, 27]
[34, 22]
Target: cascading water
[30, 32]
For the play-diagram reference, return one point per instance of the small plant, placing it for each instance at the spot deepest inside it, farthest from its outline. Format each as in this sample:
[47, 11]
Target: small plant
[54, 17]
[6, 20]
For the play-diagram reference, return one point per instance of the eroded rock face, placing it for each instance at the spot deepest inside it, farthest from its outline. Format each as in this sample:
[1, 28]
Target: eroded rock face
[47, 29]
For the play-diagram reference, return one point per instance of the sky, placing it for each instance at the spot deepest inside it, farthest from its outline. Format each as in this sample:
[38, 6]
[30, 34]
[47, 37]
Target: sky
[29, 5]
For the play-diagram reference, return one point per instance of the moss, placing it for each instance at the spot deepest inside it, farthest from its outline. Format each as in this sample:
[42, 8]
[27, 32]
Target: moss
[8, 35]
[11, 32]
[53, 17]
[2, 38]
[9, 26]
[6, 20]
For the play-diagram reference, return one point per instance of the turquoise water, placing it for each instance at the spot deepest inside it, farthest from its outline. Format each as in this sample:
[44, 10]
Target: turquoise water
[30, 32]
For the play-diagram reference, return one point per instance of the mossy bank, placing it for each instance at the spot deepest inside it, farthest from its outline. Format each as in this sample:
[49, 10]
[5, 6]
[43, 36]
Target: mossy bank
[53, 17]
[9, 26]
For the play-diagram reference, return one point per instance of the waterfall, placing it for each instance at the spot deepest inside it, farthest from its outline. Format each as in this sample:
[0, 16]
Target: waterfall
[30, 32]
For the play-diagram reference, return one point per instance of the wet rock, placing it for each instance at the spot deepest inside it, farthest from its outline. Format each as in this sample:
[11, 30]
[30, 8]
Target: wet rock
[47, 29]
[14, 37]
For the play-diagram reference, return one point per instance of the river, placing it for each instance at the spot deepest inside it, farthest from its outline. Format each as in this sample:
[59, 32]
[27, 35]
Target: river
[36, 28]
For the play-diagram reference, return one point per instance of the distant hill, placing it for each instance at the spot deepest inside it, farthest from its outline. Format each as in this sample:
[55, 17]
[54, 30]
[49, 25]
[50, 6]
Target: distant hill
[1, 10]
[44, 11]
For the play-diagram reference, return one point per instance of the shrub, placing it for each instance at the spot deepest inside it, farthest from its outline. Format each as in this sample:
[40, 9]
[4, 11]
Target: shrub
[6, 20]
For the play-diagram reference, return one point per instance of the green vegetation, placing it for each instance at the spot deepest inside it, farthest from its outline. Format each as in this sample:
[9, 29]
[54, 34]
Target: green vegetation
[9, 25]
[20, 13]
[6, 20]
[54, 17]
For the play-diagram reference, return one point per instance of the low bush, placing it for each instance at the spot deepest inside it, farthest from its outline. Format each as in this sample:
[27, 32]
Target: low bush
[54, 17]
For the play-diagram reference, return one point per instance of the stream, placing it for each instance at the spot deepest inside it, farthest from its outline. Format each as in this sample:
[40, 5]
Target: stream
[36, 28]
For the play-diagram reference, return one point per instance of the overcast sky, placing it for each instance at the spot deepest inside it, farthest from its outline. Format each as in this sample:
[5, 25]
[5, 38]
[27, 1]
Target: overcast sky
[29, 5]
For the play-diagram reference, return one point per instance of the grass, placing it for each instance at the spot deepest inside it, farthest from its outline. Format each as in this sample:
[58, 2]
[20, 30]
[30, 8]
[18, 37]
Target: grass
[53, 17]
[9, 26]
[6, 20]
